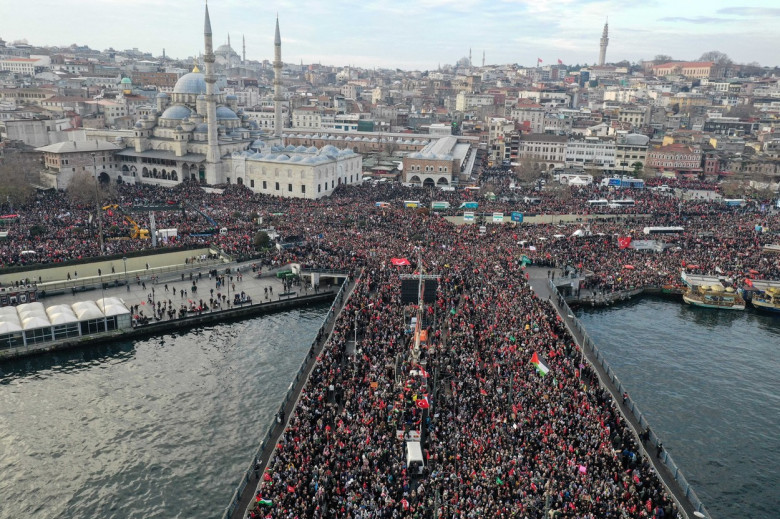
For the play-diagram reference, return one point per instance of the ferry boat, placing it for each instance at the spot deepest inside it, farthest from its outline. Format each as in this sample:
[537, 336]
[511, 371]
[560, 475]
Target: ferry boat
[768, 300]
[714, 296]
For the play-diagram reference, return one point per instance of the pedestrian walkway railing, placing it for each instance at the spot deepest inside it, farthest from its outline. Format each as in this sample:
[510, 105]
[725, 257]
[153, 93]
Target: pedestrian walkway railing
[291, 391]
[589, 345]
[115, 279]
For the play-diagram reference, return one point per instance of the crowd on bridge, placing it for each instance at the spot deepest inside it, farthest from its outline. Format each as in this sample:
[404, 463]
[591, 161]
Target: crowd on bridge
[500, 438]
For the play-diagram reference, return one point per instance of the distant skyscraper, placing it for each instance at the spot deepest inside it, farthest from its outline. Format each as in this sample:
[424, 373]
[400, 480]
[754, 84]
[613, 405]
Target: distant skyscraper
[603, 45]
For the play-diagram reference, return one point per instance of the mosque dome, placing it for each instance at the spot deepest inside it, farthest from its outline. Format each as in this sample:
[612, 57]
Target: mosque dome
[202, 128]
[329, 150]
[126, 81]
[162, 95]
[223, 112]
[192, 83]
[176, 112]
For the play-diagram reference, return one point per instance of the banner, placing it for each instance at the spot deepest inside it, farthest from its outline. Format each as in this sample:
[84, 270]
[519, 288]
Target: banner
[517, 217]
[468, 216]
[498, 217]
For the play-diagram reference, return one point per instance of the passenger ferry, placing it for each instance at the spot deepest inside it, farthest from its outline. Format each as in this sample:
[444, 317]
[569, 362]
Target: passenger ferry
[768, 300]
[714, 296]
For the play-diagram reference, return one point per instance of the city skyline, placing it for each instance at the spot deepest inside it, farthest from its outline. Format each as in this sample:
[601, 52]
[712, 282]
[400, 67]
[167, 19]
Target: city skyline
[410, 34]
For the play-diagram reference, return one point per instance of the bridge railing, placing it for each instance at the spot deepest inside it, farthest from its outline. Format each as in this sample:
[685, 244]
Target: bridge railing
[291, 390]
[664, 457]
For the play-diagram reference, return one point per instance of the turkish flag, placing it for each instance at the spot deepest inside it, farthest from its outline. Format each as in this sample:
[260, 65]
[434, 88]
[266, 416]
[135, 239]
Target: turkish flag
[623, 243]
[422, 402]
[399, 261]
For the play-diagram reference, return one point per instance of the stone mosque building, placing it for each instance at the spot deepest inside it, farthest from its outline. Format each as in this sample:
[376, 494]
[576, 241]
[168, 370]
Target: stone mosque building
[199, 134]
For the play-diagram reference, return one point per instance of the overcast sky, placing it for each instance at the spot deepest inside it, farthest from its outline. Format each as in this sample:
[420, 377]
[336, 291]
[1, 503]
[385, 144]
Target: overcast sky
[410, 34]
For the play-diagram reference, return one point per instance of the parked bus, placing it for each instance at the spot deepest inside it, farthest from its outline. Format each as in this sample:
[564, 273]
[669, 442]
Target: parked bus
[440, 206]
[734, 202]
[469, 205]
[598, 203]
[412, 204]
[382, 204]
[622, 203]
[663, 230]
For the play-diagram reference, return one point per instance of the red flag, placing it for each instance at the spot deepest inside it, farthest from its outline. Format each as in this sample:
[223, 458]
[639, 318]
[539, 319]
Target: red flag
[405, 504]
[399, 261]
[290, 489]
[424, 373]
[560, 62]
[422, 402]
[623, 243]
[482, 392]
[266, 477]
[539, 60]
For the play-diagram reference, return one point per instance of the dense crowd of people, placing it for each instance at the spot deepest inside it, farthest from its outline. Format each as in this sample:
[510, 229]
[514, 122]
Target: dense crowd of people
[500, 438]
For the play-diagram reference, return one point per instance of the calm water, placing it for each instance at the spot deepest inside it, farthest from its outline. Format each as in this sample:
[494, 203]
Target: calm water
[708, 382]
[163, 427]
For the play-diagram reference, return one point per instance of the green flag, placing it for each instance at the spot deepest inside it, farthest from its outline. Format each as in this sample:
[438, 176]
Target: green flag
[499, 481]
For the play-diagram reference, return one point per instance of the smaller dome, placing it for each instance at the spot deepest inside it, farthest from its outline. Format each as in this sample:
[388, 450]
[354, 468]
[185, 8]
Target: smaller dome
[300, 149]
[202, 128]
[162, 95]
[231, 97]
[179, 128]
[139, 125]
[223, 112]
[178, 112]
[258, 144]
[311, 149]
[126, 81]
[329, 150]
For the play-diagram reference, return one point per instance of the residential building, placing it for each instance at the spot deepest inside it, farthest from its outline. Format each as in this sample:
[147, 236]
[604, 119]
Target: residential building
[676, 157]
[63, 160]
[542, 147]
[591, 152]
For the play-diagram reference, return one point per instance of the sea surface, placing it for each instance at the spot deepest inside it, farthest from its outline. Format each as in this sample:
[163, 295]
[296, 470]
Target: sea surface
[161, 427]
[708, 382]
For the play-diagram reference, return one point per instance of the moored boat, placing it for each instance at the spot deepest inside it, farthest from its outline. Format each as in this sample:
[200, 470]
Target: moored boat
[768, 300]
[714, 296]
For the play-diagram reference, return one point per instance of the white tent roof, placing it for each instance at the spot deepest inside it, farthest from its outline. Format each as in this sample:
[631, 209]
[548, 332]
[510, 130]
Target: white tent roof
[87, 310]
[27, 307]
[35, 322]
[8, 327]
[63, 318]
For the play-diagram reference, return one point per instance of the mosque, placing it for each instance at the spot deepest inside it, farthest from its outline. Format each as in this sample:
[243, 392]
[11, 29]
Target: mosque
[199, 134]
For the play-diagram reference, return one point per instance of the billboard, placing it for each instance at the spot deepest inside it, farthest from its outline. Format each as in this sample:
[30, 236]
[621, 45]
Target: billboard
[498, 217]
[517, 217]
[468, 217]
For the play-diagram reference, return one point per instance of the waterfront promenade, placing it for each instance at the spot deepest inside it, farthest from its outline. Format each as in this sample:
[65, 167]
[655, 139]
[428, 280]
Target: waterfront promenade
[170, 281]
[648, 443]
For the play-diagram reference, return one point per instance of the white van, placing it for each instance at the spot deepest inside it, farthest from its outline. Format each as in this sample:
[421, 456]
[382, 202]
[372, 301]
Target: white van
[415, 463]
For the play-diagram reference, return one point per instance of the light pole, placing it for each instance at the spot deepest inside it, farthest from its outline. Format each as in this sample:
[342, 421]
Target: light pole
[124, 259]
[97, 206]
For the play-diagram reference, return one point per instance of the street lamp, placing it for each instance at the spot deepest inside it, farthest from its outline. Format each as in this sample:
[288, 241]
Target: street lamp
[124, 258]
[97, 206]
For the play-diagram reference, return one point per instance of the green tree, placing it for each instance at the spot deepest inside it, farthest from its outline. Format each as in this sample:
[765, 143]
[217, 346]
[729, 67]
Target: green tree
[261, 240]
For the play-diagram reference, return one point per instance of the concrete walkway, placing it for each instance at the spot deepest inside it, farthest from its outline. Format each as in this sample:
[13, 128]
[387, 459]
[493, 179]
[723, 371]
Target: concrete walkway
[539, 283]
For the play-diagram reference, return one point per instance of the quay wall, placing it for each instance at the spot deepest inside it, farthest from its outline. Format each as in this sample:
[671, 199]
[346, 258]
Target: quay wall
[168, 326]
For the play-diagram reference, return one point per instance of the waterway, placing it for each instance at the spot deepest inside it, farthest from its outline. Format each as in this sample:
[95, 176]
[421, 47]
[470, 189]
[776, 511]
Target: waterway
[708, 382]
[162, 427]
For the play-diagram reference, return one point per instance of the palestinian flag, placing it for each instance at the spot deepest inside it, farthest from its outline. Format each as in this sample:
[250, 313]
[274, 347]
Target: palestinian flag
[539, 365]
[264, 502]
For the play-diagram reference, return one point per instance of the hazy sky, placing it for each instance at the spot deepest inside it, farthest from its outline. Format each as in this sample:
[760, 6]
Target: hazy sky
[410, 34]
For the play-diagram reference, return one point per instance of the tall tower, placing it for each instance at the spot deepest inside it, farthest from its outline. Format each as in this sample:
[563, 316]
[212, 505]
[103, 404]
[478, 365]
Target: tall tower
[483, 59]
[470, 57]
[230, 54]
[212, 154]
[603, 44]
[278, 97]
[243, 52]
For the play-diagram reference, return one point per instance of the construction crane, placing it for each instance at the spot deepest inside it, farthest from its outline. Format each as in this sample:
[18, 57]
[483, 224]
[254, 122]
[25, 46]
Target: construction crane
[136, 233]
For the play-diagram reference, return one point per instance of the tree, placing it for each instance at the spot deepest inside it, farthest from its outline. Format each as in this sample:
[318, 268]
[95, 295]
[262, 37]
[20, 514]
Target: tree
[719, 58]
[261, 240]
[663, 58]
[527, 170]
[82, 189]
[18, 173]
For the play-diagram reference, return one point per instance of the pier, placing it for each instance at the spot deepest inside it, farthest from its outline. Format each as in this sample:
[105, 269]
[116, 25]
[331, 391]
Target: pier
[669, 473]
[165, 283]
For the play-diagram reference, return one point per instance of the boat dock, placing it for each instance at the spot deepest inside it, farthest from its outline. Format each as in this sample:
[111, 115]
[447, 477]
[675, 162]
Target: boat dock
[669, 473]
[174, 284]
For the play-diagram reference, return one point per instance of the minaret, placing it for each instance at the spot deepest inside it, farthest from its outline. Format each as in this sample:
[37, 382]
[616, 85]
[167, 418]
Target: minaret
[212, 155]
[483, 59]
[278, 98]
[243, 52]
[230, 54]
[469, 56]
[603, 44]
